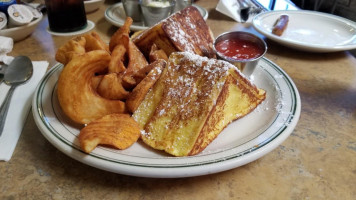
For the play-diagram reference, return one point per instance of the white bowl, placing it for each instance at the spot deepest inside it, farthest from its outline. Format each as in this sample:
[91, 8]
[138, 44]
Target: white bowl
[92, 5]
[20, 32]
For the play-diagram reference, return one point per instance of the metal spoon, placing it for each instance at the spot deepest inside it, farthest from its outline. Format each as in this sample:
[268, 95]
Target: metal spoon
[1, 78]
[17, 73]
[2, 72]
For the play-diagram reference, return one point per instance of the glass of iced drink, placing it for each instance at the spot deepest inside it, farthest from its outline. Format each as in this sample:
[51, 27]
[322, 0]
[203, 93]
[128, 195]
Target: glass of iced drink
[66, 15]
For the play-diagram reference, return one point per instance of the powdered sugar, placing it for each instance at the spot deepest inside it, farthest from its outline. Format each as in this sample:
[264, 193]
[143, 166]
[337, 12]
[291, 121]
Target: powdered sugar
[178, 35]
[144, 133]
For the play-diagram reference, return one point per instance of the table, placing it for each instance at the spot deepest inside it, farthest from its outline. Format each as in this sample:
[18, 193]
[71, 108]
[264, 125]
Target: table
[317, 161]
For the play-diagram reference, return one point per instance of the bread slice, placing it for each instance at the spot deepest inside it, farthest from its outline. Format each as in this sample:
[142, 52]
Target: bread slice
[185, 30]
[192, 102]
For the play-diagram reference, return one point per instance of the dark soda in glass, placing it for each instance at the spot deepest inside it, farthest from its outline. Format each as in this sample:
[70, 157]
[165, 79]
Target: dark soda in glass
[66, 15]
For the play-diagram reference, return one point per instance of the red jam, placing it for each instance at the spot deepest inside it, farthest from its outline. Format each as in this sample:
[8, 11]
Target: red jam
[239, 49]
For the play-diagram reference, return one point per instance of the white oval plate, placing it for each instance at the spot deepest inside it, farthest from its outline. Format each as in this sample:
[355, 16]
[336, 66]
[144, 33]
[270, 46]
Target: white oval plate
[115, 14]
[243, 141]
[21, 32]
[310, 30]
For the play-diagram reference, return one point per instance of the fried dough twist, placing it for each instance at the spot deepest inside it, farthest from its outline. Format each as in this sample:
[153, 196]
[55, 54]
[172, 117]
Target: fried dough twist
[116, 130]
[77, 97]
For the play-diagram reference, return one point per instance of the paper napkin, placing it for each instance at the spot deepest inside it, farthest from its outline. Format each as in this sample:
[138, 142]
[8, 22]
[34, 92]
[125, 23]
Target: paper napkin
[19, 109]
[229, 8]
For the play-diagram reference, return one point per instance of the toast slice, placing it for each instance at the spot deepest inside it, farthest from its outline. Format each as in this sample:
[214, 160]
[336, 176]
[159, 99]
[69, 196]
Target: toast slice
[185, 30]
[192, 102]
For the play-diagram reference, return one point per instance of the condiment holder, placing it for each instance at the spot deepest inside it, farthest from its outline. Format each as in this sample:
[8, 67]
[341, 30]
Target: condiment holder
[181, 4]
[154, 11]
[132, 9]
[242, 49]
[149, 11]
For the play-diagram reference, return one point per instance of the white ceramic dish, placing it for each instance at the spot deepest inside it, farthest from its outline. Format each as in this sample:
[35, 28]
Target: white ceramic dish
[115, 14]
[21, 32]
[310, 31]
[92, 5]
[243, 141]
[89, 27]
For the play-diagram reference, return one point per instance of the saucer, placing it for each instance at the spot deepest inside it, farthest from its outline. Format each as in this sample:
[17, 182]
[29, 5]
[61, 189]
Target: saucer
[89, 27]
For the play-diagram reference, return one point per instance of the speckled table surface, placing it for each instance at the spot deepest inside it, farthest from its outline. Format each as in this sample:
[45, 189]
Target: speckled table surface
[317, 161]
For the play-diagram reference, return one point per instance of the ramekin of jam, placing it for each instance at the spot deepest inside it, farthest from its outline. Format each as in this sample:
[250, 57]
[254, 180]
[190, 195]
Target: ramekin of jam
[243, 49]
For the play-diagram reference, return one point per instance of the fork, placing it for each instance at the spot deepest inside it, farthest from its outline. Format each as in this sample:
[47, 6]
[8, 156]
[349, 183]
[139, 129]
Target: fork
[255, 11]
[244, 10]
[248, 9]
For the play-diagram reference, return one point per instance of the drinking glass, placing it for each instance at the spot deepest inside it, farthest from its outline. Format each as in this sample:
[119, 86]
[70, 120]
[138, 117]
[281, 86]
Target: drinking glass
[66, 15]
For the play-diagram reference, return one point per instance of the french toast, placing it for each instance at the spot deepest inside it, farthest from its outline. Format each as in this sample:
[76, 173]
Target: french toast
[194, 99]
[185, 30]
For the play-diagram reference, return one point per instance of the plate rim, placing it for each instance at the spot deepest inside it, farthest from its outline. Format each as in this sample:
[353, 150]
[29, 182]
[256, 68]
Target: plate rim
[32, 23]
[165, 171]
[134, 27]
[28, 29]
[300, 45]
[89, 27]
